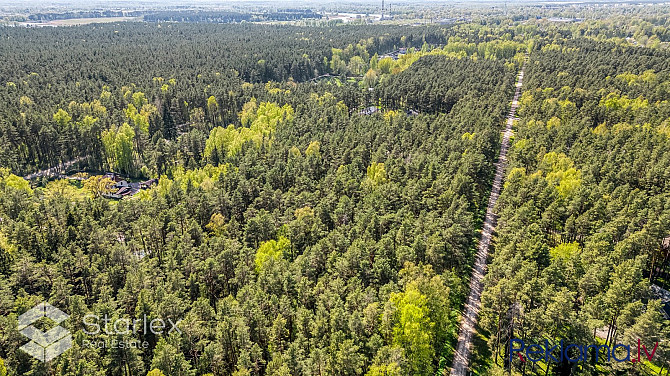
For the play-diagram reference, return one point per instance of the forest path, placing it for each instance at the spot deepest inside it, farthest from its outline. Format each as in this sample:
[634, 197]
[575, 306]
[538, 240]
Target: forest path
[473, 303]
[53, 171]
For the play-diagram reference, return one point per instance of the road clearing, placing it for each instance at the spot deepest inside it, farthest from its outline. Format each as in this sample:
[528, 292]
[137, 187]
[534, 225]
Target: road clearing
[473, 303]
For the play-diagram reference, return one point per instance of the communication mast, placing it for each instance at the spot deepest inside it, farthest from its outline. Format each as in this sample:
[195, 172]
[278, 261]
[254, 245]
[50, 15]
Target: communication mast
[383, 9]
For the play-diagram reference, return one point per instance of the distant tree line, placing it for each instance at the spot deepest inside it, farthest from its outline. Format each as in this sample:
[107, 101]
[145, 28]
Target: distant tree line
[230, 17]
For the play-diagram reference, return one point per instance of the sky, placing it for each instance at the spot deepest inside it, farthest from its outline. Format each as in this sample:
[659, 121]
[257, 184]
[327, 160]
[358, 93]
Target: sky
[114, 3]
[140, 4]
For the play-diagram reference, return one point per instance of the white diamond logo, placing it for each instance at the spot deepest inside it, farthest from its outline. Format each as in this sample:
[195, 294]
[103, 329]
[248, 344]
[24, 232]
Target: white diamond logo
[45, 346]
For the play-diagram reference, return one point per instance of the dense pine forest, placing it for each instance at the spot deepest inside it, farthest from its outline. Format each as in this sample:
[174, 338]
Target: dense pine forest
[585, 211]
[307, 200]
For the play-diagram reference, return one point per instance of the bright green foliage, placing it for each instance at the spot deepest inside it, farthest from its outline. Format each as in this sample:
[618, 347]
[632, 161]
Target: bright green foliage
[10, 180]
[338, 65]
[375, 176]
[564, 251]
[3, 370]
[302, 213]
[455, 49]
[553, 161]
[93, 108]
[63, 189]
[217, 224]
[273, 89]
[413, 329]
[420, 318]
[223, 142]
[600, 130]
[385, 65]
[554, 122]
[6, 245]
[615, 102]
[248, 112]
[314, 149]
[271, 250]
[155, 372]
[204, 177]
[212, 107]
[374, 60]
[561, 172]
[97, 186]
[582, 213]
[25, 101]
[141, 119]
[384, 370]
[334, 300]
[647, 77]
[105, 96]
[163, 188]
[62, 118]
[370, 78]
[139, 99]
[118, 143]
[262, 122]
[269, 116]
[295, 152]
[87, 122]
[569, 181]
[357, 65]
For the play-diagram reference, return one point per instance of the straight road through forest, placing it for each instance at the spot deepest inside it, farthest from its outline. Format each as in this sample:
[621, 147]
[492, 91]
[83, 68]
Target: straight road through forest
[472, 305]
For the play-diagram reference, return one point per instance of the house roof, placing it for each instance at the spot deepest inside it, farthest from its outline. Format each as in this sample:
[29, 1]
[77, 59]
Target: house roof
[123, 191]
[663, 295]
[112, 175]
[369, 111]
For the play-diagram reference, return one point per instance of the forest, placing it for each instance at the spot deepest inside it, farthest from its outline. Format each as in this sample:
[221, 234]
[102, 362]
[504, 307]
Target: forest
[585, 212]
[230, 17]
[312, 196]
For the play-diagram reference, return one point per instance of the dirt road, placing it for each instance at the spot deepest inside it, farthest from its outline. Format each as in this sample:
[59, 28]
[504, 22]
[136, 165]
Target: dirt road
[53, 171]
[472, 305]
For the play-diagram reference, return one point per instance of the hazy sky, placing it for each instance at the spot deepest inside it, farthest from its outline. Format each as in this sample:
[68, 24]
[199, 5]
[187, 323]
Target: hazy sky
[133, 3]
[139, 4]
